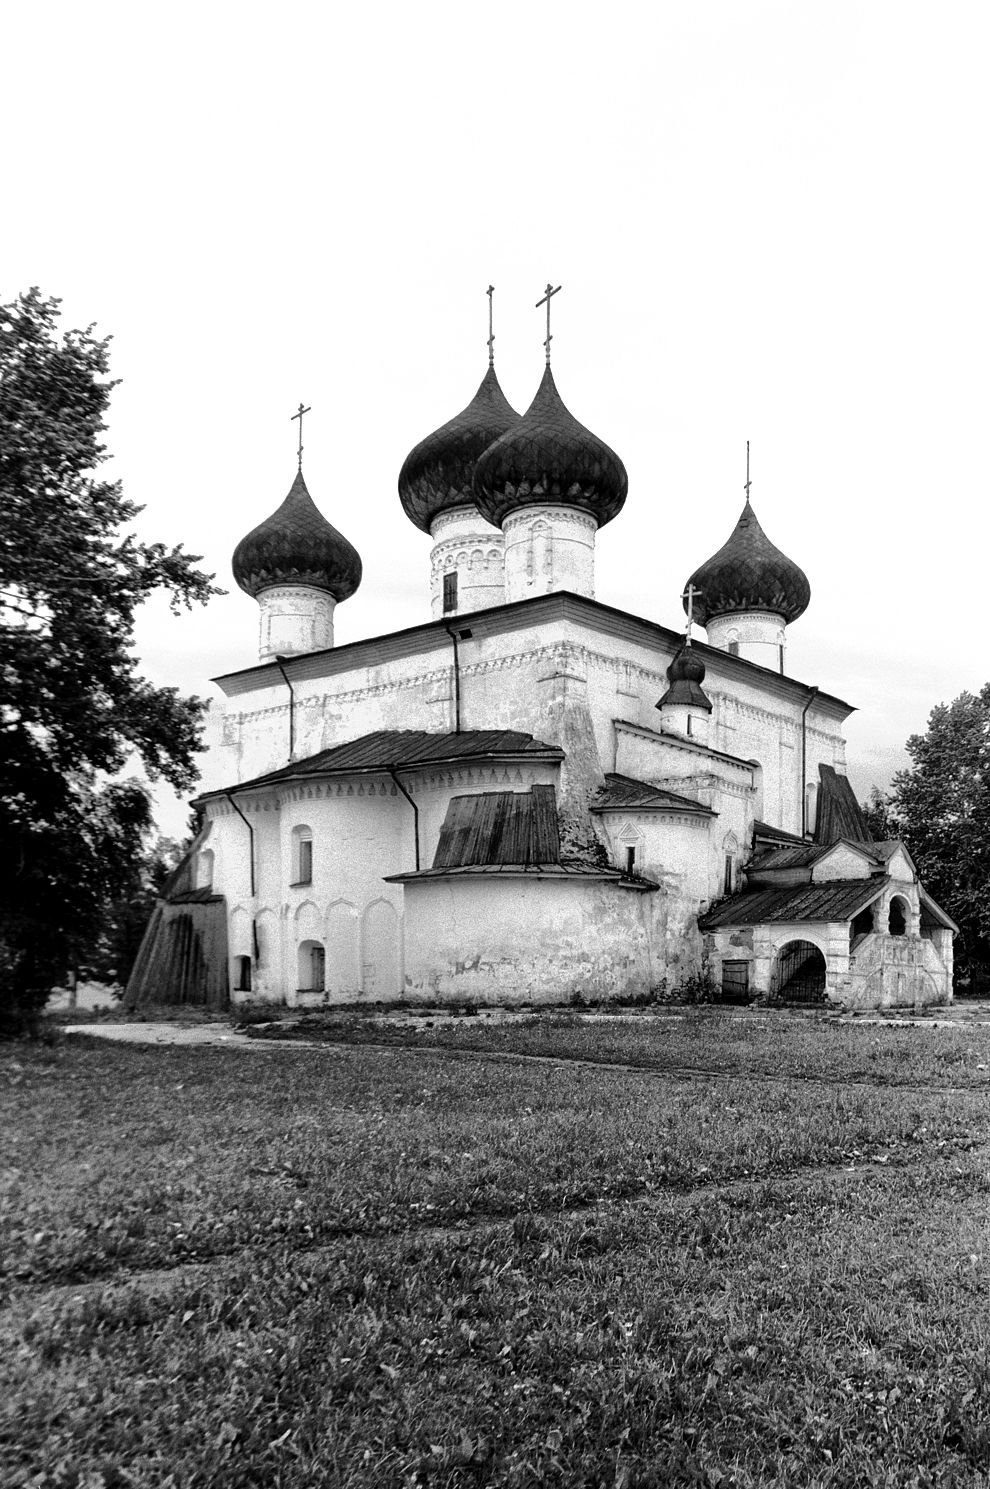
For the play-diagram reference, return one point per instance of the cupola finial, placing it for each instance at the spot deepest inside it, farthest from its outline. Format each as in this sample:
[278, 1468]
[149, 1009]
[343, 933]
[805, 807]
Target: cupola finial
[690, 594]
[491, 334]
[299, 415]
[748, 481]
[546, 301]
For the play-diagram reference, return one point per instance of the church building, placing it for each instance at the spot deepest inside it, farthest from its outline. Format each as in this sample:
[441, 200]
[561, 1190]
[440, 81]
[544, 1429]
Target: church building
[531, 797]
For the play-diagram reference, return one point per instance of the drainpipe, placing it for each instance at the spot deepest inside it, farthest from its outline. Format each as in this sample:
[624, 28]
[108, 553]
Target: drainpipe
[465, 635]
[292, 707]
[804, 760]
[392, 772]
[250, 834]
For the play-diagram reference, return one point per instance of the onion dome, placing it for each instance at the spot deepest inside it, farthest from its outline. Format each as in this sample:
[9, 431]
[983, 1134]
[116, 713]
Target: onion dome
[297, 545]
[549, 457]
[438, 474]
[749, 573]
[685, 674]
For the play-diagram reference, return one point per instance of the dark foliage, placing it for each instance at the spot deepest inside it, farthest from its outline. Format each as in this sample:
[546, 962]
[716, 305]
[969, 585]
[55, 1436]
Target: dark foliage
[940, 806]
[74, 706]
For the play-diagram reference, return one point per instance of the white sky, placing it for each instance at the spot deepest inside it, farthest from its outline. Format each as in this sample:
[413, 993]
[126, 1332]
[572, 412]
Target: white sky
[769, 219]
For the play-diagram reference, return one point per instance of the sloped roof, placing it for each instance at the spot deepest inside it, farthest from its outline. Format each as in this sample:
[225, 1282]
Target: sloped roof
[500, 827]
[387, 749]
[836, 899]
[624, 793]
[839, 814]
[787, 856]
[806, 855]
[533, 871]
[763, 830]
[936, 912]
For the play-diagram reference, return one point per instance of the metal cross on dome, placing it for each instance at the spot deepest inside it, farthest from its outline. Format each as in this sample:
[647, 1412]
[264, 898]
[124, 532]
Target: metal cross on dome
[546, 301]
[690, 594]
[299, 415]
[491, 334]
[748, 481]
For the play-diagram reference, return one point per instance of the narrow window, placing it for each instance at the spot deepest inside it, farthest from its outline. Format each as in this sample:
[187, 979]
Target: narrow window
[727, 882]
[302, 855]
[733, 648]
[630, 861]
[312, 967]
[450, 592]
[690, 730]
[243, 974]
[780, 651]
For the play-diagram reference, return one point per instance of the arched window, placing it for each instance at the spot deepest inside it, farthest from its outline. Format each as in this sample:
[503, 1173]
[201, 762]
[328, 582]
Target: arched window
[897, 921]
[312, 967]
[302, 855]
[242, 971]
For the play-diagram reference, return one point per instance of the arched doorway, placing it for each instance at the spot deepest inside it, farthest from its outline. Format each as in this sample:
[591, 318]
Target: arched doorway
[798, 974]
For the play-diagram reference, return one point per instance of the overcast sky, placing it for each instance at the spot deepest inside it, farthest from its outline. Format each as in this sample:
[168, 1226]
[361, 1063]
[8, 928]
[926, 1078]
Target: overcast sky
[770, 221]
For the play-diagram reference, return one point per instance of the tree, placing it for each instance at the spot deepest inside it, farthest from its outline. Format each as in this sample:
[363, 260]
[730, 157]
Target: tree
[126, 916]
[878, 815]
[942, 809]
[73, 707]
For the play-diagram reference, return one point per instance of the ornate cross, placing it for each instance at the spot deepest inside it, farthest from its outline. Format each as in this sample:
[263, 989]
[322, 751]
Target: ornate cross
[491, 334]
[546, 301]
[748, 481]
[299, 415]
[690, 594]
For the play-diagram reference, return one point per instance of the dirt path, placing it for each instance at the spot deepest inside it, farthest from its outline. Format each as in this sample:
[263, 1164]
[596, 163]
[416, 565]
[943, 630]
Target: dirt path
[218, 1036]
[25, 1297]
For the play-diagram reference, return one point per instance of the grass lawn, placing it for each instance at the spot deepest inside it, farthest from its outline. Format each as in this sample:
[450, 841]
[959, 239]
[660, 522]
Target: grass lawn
[349, 1266]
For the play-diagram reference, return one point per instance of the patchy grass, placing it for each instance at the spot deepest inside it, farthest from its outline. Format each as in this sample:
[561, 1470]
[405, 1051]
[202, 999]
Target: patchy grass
[367, 1268]
[703, 1039]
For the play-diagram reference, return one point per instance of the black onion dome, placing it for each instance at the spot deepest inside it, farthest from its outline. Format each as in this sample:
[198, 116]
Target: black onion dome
[749, 573]
[438, 474]
[549, 457]
[685, 674]
[297, 545]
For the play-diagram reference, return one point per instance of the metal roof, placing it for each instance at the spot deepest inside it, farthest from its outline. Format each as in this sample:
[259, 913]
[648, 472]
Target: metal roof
[763, 830]
[500, 827]
[837, 899]
[624, 793]
[805, 855]
[532, 872]
[389, 749]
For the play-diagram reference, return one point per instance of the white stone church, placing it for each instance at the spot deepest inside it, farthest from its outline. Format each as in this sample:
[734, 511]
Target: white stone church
[531, 797]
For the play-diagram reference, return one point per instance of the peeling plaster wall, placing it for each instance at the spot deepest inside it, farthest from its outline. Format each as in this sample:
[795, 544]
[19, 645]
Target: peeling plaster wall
[497, 940]
[362, 829]
[561, 679]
